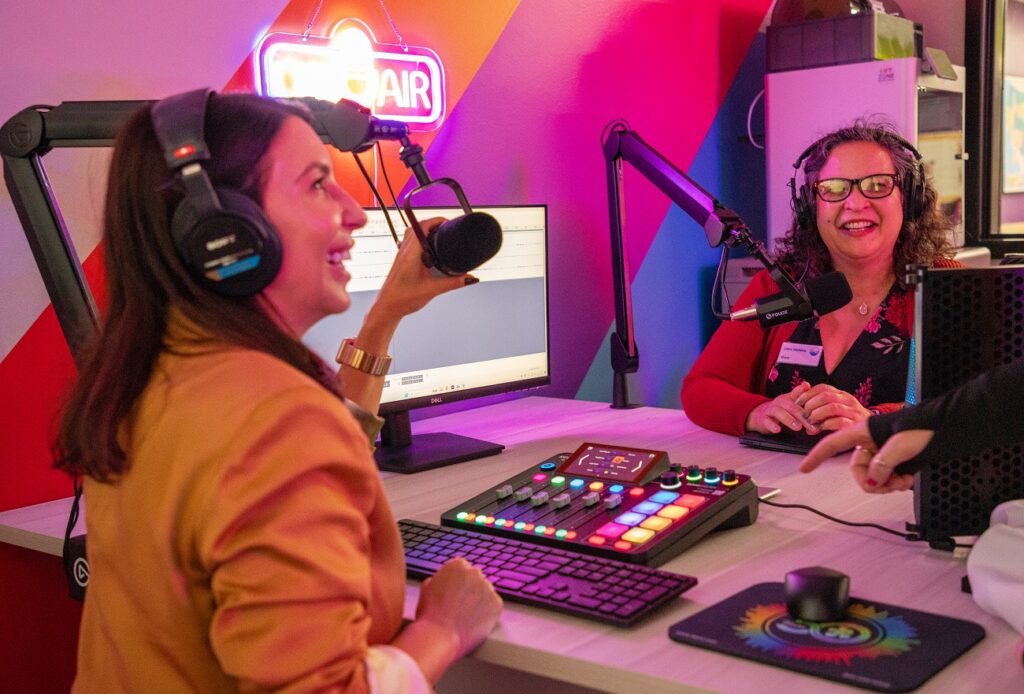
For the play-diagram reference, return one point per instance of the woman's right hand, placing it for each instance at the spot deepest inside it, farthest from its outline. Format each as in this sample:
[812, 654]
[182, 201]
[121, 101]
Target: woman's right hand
[772, 415]
[459, 598]
[457, 610]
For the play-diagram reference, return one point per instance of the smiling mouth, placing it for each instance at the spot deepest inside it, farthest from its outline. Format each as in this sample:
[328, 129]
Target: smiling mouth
[337, 257]
[858, 226]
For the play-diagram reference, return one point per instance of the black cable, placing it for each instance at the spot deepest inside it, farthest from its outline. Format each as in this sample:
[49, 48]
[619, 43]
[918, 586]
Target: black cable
[380, 200]
[387, 181]
[911, 537]
[718, 287]
[72, 521]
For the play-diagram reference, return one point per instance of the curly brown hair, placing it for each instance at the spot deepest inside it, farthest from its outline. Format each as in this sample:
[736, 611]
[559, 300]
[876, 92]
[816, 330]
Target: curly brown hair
[924, 235]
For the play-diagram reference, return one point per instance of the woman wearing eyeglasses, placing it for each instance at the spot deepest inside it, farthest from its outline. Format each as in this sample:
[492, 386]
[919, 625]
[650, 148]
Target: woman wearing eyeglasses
[865, 209]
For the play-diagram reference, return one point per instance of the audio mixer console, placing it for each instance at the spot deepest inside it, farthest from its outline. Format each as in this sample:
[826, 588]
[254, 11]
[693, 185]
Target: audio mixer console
[622, 503]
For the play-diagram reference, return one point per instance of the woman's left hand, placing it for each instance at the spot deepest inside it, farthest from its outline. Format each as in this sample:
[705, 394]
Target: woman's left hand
[831, 409]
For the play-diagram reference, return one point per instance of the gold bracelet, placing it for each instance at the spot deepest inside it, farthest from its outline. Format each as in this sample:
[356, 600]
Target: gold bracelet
[350, 355]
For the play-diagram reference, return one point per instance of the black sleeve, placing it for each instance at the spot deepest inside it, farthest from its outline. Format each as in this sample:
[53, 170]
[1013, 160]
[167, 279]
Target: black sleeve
[985, 412]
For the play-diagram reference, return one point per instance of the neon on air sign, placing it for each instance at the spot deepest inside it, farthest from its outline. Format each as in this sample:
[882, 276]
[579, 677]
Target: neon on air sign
[396, 83]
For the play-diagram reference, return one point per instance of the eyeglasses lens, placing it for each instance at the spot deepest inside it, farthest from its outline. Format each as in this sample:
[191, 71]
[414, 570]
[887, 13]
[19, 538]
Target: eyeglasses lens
[838, 189]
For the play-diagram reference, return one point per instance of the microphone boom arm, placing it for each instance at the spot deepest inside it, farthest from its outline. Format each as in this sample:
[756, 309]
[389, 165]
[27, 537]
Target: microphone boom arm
[722, 226]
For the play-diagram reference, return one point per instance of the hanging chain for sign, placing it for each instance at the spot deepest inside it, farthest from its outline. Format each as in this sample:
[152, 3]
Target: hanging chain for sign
[312, 18]
[401, 42]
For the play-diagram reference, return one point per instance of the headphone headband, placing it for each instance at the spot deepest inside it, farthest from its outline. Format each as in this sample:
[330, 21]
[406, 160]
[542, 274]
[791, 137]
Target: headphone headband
[180, 125]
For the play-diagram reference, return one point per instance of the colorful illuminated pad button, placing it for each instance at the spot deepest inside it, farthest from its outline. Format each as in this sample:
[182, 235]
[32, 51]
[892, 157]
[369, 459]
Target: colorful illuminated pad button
[596, 540]
[611, 530]
[638, 536]
[596, 486]
[576, 483]
[636, 491]
[547, 466]
[664, 497]
[539, 477]
[647, 507]
[570, 534]
[630, 518]
[673, 512]
[690, 500]
[461, 515]
[558, 480]
[623, 546]
[656, 523]
[616, 489]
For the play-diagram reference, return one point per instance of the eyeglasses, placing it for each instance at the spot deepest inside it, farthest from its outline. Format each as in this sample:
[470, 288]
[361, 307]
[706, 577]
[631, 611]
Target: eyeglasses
[874, 186]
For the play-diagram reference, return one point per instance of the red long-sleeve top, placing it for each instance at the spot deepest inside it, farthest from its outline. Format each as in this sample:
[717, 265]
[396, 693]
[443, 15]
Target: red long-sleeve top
[730, 376]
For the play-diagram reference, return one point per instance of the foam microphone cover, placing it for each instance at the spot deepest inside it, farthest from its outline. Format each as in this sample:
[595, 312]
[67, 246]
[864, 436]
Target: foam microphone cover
[829, 292]
[466, 242]
[346, 123]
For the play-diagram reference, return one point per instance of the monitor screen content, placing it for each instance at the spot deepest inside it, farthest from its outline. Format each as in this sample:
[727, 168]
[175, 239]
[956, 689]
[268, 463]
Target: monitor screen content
[484, 339]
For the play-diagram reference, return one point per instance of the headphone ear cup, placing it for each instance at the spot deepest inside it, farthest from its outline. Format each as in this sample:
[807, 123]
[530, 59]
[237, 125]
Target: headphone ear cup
[234, 250]
[803, 207]
[913, 190]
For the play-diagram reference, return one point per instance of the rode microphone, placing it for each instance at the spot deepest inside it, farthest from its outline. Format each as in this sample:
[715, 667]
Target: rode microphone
[455, 246]
[820, 295]
[351, 127]
[459, 245]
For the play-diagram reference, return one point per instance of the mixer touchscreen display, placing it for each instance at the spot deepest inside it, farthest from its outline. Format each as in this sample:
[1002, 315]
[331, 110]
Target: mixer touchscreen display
[611, 462]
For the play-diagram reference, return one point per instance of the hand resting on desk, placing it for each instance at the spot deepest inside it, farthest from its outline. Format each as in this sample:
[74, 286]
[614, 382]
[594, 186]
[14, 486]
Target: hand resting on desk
[874, 469]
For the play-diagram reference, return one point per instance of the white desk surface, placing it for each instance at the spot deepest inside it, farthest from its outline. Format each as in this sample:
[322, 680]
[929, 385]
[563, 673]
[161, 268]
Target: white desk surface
[642, 658]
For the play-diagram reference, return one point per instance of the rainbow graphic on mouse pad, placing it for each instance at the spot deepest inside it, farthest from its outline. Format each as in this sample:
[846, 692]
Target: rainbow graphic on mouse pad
[879, 647]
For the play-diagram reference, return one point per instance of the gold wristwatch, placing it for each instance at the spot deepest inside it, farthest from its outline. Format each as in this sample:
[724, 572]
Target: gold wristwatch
[350, 355]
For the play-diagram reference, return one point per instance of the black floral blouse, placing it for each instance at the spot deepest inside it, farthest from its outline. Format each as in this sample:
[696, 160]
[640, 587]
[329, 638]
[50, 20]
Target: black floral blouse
[874, 370]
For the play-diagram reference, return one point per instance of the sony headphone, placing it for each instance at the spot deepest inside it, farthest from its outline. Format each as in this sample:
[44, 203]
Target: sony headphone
[912, 186]
[221, 235]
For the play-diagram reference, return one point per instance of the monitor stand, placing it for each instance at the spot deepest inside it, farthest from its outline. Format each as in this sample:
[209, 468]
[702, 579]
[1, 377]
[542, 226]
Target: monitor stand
[400, 451]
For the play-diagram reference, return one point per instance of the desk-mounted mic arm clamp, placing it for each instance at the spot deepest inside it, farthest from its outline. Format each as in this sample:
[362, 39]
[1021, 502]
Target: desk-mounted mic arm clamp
[722, 226]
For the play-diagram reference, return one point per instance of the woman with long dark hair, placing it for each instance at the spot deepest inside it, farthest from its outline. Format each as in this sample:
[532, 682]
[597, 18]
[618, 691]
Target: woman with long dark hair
[238, 533]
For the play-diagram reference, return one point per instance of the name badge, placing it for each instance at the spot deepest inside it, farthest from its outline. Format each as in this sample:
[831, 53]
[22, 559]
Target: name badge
[800, 355]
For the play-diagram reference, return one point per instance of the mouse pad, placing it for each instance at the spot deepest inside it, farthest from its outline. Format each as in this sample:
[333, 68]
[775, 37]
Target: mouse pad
[881, 647]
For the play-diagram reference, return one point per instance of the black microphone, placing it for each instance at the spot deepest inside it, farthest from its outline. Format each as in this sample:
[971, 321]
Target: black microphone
[820, 295]
[463, 244]
[454, 247]
[350, 126]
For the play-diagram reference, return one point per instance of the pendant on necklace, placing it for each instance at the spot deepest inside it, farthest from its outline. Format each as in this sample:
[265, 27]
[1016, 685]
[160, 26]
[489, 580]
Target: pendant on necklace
[863, 308]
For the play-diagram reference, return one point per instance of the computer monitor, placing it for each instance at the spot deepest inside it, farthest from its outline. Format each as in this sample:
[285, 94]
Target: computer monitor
[966, 321]
[484, 339]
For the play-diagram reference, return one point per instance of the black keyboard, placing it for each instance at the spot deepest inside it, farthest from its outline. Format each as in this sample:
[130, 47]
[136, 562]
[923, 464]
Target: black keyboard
[607, 590]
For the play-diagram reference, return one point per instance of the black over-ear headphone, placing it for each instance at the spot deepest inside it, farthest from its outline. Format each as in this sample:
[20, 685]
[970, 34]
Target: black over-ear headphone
[912, 187]
[222, 236]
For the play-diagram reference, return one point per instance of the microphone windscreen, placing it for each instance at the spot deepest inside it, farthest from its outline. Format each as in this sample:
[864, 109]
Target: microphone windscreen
[346, 123]
[829, 292]
[466, 242]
